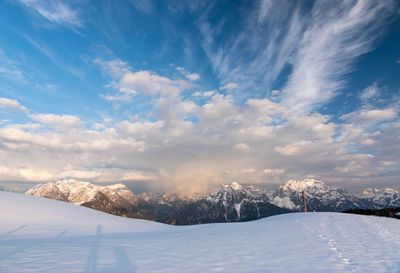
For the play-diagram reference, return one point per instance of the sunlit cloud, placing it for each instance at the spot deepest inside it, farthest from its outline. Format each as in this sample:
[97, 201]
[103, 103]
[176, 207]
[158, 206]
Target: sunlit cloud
[12, 105]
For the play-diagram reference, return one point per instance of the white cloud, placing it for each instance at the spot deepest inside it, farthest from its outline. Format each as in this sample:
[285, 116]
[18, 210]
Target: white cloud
[359, 161]
[369, 93]
[190, 76]
[225, 143]
[35, 174]
[184, 108]
[193, 76]
[115, 68]
[148, 83]
[242, 147]
[273, 171]
[145, 83]
[229, 86]
[118, 97]
[370, 117]
[251, 170]
[58, 122]
[56, 11]
[368, 141]
[205, 94]
[290, 149]
[138, 176]
[29, 126]
[209, 93]
[12, 105]
[98, 126]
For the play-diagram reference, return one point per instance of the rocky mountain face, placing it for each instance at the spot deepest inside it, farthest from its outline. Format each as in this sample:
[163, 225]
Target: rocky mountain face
[319, 196]
[116, 199]
[382, 198]
[229, 203]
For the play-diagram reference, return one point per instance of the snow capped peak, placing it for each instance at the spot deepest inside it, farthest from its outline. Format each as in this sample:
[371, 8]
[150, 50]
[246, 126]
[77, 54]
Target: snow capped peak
[301, 185]
[391, 190]
[369, 192]
[386, 197]
[319, 196]
[235, 185]
[80, 192]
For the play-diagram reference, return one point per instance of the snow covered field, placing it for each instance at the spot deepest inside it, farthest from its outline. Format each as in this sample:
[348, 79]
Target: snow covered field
[42, 235]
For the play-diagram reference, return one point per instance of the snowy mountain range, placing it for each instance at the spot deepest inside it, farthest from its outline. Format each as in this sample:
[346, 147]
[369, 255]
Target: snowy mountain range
[115, 199]
[319, 196]
[382, 198]
[229, 203]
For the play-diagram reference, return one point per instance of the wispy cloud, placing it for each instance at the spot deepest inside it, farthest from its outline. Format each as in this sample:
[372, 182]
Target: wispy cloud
[145, 6]
[114, 68]
[56, 11]
[10, 69]
[187, 74]
[329, 46]
[370, 93]
[229, 86]
[54, 57]
[305, 50]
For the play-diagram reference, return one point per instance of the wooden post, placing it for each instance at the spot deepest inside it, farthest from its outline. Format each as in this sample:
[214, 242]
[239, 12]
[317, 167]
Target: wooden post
[304, 201]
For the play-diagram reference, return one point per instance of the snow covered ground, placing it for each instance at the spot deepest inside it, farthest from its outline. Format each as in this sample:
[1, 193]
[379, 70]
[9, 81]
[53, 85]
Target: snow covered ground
[42, 235]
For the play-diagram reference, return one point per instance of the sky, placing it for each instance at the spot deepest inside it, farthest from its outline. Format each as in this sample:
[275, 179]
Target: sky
[186, 95]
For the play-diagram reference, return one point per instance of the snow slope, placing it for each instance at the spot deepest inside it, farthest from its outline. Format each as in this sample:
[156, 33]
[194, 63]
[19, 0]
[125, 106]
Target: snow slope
[43, 235]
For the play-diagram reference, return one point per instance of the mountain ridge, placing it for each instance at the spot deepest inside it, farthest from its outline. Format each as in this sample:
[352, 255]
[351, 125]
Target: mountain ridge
[228, 203]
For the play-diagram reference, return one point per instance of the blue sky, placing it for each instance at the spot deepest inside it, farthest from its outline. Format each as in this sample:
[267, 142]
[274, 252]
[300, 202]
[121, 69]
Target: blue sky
[191, 94]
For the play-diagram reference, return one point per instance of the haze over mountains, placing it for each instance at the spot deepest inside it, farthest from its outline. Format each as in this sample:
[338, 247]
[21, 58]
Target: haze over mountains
[229, 203]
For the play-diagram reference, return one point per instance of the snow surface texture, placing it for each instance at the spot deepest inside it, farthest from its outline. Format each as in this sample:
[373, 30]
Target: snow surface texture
[43, 235]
